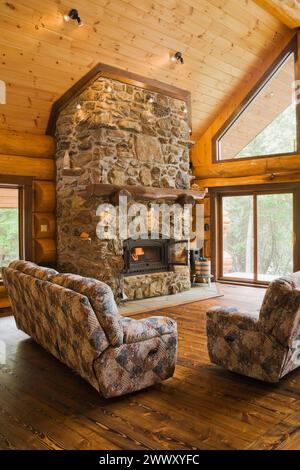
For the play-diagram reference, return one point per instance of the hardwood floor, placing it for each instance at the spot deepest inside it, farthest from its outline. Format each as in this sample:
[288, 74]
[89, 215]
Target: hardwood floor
[43, 405]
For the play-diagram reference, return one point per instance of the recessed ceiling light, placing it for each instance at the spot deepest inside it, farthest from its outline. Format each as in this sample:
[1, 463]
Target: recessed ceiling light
[78, 106]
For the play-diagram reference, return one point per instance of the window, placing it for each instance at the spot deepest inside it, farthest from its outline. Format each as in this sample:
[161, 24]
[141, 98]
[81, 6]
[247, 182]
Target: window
[9, 225]
[266, 123]
[15, 219]
[256, 233]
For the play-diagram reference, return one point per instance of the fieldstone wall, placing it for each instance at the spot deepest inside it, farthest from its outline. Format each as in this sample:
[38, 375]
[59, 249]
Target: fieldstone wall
[113, 133]
[156, 284]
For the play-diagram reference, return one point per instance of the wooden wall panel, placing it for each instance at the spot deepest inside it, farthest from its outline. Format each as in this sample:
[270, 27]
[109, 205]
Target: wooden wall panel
[36, 159]
[2, 291]
[14, 143]
[207, 233]
[44, 225]
[44, 196]
[42, 168]
[45, 250]
[249, 167]
[250, 180]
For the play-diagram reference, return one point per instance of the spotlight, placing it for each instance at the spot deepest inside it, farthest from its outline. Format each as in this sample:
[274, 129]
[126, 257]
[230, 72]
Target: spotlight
[150, 99]
[109, 89]
[73, 15]
[177, 57]
[78, 106]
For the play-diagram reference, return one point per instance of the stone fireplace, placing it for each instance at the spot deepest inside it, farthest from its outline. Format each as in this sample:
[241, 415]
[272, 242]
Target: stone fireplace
[120, 134]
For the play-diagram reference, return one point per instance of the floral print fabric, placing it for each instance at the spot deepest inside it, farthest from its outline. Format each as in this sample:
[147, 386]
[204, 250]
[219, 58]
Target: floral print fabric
[138, 365]
[265, 346]
[60, 320]
[140, 330]
[33, 269]
[102, 300]
[76, 319]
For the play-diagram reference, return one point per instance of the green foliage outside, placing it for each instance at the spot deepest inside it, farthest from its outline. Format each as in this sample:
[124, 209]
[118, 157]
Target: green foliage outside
[277, 137]
[275, 233]
[9, 235]
[238, 240]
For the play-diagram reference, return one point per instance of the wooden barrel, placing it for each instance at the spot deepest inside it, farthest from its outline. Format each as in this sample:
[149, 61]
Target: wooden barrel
[198, 267]
[203, 268]
[206, 268]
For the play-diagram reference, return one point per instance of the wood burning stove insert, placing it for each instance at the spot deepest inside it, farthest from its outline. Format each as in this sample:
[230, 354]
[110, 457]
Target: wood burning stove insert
[146, 256]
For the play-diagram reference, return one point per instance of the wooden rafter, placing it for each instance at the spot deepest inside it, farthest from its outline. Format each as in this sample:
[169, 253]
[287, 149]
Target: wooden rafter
[287, 11]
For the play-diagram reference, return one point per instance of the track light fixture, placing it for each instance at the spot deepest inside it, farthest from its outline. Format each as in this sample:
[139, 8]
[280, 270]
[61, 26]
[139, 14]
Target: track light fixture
[177, 57]
[73, 15]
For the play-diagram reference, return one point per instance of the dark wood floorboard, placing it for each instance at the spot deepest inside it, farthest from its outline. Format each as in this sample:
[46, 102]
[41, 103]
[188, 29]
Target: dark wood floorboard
[43, 405]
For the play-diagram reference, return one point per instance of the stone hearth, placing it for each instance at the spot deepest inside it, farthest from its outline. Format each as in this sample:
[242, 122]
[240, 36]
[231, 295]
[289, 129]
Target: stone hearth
[121, 134]
[155, 284]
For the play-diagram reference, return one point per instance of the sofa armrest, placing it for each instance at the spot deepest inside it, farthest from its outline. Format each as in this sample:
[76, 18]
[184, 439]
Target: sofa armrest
[148, 328]
[227, 316]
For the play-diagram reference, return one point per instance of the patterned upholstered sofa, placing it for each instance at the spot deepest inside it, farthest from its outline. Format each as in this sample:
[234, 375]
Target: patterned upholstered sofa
[265, 345]
[76, 319]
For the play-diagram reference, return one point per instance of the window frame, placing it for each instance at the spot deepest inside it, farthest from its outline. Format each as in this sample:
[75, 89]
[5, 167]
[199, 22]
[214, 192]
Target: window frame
[216, 195]
[292, 47]
[24, 185]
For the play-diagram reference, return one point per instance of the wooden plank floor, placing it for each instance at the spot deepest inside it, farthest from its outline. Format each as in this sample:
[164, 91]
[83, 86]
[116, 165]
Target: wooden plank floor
[43, 405]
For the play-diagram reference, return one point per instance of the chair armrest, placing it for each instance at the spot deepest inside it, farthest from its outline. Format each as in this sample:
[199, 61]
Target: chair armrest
[148, 328]
[232, 316]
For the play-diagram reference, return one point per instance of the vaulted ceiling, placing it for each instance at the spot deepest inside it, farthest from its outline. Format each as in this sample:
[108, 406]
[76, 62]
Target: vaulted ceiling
[224, 43]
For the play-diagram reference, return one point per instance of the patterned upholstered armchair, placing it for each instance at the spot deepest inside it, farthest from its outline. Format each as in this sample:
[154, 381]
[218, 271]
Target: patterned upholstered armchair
[76, 319]
[265, 345]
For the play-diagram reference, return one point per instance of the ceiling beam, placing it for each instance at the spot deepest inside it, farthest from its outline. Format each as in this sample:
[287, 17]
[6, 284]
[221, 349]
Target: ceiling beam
[287, 11]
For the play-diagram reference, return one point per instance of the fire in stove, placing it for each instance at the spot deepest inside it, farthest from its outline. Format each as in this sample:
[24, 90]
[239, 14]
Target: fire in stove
[137, 252]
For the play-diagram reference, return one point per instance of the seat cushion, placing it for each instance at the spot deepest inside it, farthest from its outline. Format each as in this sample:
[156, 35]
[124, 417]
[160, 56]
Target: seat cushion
[32, 269]
[101, 299]
[148, 328]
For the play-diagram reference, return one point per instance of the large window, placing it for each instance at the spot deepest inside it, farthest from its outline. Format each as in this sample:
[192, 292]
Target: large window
[266, 123]
[15, 219]
[9, 225]
[256, 232]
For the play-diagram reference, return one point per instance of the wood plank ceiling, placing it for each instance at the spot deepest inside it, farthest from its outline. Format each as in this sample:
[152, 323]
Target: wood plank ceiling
[287, 11]
[224, 42]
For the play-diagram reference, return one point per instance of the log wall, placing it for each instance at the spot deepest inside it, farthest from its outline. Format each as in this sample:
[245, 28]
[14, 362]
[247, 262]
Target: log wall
[33, 155]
